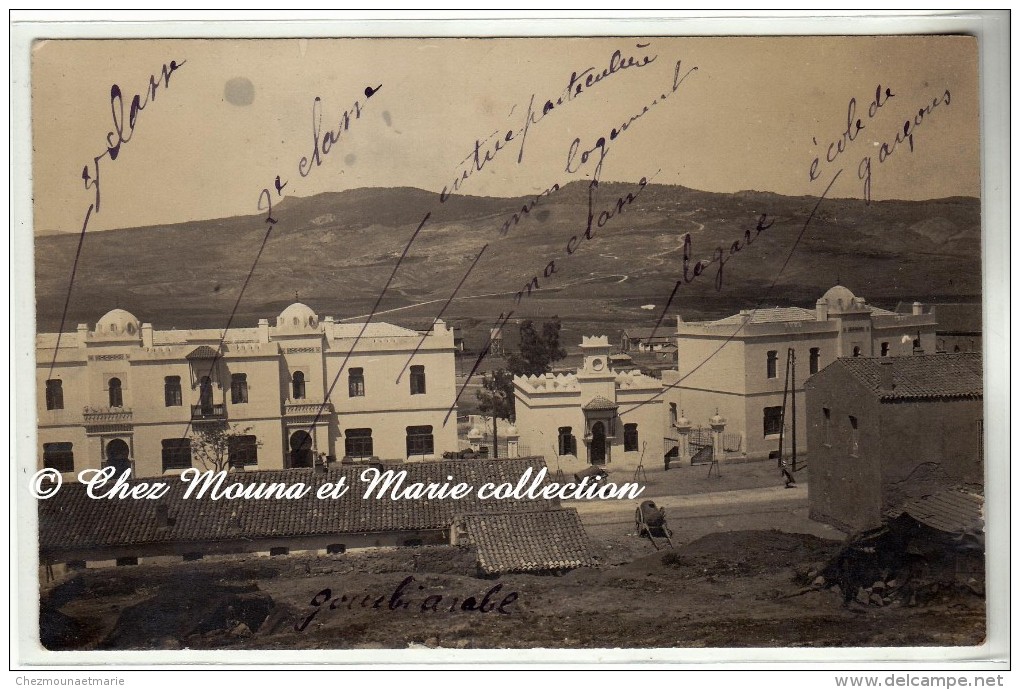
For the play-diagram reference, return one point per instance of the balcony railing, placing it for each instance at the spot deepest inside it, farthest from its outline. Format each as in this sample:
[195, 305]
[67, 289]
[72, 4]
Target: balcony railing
[105, 420]
[304, 409]
[211, 412]
[115, 415]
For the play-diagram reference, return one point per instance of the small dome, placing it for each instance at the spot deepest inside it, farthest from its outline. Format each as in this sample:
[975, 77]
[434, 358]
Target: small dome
[717, 420]
[682, 421]
[475, 432]
[297, 315]
[839, 297]
[118, 323]
[511, 431]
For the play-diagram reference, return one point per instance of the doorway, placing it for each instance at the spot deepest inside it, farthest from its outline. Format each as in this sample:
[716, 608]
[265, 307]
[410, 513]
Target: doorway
[118, 455]
[597, 452]
[300, 449]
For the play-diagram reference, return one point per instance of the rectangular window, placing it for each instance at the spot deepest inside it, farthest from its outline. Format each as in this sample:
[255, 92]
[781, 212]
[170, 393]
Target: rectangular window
[630, 437]
[358, 443]
[172, 391]
[54, 394]
[238, 388]
[568, 442]
[417, 380]
[59, 456]
[815, 356]
[773, 420]
[176, 454]
[419, 441]
[770, 363]
[826, 427]
[854, 448]
[356, 383]
[243, 450]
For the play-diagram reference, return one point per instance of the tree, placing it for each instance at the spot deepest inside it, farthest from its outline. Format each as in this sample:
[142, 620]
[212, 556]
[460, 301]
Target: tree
[212, 443]
[538, 350]
[496, 400]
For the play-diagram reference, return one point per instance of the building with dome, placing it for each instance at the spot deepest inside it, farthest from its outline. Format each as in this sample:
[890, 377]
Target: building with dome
[594, 416]
[128, 395]
[736, 366]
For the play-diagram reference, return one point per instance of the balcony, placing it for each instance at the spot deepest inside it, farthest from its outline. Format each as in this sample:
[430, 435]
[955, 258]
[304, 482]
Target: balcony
[107, 419]
[215, 412]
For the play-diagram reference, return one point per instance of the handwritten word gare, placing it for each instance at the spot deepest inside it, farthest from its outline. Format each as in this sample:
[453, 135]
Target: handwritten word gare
[402, 599]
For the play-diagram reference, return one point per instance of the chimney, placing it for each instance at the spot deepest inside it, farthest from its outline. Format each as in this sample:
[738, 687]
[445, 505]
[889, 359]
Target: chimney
[163, 518]
[83, 334]
[263, 331]
[917, 309]
[146, 335]
[822, 310]
[885, 375]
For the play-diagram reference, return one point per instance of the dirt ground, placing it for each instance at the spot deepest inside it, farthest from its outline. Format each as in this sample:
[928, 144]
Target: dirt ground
[740, 575]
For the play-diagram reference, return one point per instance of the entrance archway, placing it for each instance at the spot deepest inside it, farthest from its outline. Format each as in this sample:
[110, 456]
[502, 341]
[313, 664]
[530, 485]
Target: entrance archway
[118, 455]
[300, 449]
[597, 452]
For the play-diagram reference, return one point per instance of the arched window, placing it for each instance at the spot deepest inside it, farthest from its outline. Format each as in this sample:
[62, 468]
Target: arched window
[116, 394]
[630, 437]
[298, 385]
[567, 441]
[815, 355]
[857, 350]
[771, 359]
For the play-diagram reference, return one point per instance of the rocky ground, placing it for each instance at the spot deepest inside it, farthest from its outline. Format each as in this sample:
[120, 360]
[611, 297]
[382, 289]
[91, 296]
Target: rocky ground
[743, 573]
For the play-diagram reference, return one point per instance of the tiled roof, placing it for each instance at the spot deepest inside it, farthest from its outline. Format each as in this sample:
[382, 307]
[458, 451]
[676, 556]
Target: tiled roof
[529, 541]
[919, 377]
[770, 315]
[959, 510]
[72, 520]
[373, 330]
[600, 403]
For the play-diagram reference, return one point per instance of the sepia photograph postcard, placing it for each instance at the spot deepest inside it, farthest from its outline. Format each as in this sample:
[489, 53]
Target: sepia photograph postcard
[653, 341]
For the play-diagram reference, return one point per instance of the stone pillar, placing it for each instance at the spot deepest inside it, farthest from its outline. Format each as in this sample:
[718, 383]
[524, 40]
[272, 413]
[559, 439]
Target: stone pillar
[263, 331]
[683, 427]
[512, 442]
[718, 424]
[146, 335]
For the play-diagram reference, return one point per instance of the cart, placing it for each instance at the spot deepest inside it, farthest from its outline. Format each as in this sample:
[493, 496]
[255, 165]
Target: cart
[650, 521]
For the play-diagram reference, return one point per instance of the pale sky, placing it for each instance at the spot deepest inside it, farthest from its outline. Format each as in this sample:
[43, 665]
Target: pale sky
[745, 119]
